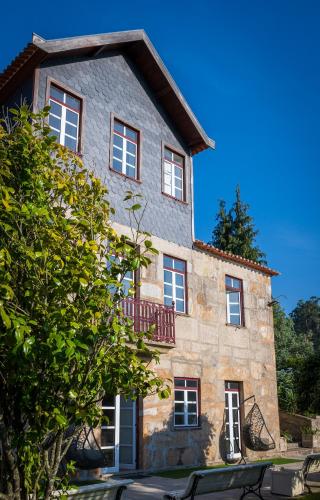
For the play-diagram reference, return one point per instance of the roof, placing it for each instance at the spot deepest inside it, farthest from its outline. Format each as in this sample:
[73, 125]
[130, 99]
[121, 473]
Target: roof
[200, 245]
[139, 48]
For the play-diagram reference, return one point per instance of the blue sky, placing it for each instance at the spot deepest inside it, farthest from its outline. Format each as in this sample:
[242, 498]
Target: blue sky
[251, 72]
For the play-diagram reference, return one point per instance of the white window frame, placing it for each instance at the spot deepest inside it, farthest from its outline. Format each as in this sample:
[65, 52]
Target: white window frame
[174, 286]
[230, 303]
[231, 437]
[185, 402]
[63, 119]
[170, 188]
[125, 140]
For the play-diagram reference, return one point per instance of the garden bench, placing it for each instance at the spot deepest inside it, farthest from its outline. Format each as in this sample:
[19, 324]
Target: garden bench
[248, 477]
[108, 490]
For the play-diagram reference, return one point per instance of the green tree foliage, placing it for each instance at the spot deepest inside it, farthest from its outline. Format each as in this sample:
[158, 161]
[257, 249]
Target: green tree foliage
[297, 357]
[306, 319]
[235, 231]
[64, 341]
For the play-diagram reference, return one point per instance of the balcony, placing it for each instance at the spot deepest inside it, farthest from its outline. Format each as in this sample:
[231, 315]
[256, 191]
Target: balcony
[145, 313]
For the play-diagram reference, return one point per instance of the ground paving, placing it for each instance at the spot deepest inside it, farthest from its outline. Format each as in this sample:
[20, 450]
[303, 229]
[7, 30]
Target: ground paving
[153, 488]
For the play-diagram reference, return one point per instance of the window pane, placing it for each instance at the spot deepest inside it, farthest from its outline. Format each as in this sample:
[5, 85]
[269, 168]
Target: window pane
[117, 165]
[192, 419]
[192, 383]
[167, 168]
[179, 279]
[131, 160]
[168, 301]
[234, 400]
[178, 183]
[167, 154]
[54, 122]
[119, 127]
[179, 395]
[72, 117]
[234, 320]
[234, 309]
[71, 130]
[179, 305]
[126, 435]
[167, 179]
[179, 265]
[167, 276]
[108, 401]
[109, 457]
[131, 171]
[107, 437]
[192, 396]
[131, 148]
[109, 420]
[55, 108]
[179, 382]
[192, 408]
[177, 158]
[228, 281]
[167, 189]
[125, 417]
[70, 143]
[179, 419]
[236, 283]
[167, 262]
[125, 455]
[73, 102]
[234, 297]
[168, 290]
[117, 153]
[179, 407]
[180, 293]
[178, 172]
[131, 134]
[118, 140]
[56, 93]
[178, 194]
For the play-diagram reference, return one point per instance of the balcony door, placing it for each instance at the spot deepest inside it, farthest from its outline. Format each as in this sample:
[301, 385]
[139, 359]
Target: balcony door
[232, 419]
[118, 434]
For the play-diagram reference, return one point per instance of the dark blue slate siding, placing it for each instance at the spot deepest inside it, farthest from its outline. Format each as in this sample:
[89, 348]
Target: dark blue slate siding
[110, 84]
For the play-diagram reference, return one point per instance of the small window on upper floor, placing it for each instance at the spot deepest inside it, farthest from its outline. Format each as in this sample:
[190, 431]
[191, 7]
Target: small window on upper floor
[125, 150]
[234, 292]
[64, 117]
[173, 174]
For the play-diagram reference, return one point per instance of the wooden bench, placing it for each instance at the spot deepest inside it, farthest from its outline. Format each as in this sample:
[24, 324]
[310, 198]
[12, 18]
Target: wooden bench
[248, 477]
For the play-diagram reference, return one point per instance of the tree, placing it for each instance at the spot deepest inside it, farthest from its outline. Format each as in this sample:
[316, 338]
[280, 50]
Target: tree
[235, 231]
[64, 341]
[306, 319]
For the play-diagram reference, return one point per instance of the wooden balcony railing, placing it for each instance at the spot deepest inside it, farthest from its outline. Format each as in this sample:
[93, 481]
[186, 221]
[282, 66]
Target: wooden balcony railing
[145, 313]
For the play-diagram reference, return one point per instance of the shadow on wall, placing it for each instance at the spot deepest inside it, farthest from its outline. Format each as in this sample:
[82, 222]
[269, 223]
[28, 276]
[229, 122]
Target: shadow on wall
[173, 446]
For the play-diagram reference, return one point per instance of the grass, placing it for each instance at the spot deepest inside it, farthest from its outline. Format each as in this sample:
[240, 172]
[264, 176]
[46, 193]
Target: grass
[180, 473]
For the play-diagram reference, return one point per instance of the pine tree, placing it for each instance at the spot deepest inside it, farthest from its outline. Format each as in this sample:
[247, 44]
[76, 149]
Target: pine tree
[235, 231]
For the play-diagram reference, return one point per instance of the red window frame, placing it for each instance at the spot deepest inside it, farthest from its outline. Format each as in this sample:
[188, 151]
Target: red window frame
[236, 289]
[184, 272]
[52, 83]
[115, 119]
[164, 159]
[184, 389]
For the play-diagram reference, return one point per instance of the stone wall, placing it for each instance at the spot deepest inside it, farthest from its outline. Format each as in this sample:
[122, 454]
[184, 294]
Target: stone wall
[294, 424]
[209, 349]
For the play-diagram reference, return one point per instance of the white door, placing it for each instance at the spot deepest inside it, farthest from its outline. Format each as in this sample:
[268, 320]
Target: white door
[232, 419]
[118, 435]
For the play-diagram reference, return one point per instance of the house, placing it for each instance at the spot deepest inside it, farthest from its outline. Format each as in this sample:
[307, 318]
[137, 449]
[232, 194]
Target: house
[114, 102]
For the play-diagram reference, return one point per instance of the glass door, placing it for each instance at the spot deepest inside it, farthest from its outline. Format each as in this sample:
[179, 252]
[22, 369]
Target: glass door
[110, 433]
[127, 456]
[232, 419]
[118, 433]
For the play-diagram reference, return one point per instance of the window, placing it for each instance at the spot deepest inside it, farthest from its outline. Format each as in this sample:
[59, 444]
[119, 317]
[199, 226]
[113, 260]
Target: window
[186, 402]
[173, 174]
[174, 277]
[64, 117]
[232, 419]
[234, 301]
[125, 150]
[127, 280]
